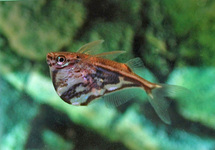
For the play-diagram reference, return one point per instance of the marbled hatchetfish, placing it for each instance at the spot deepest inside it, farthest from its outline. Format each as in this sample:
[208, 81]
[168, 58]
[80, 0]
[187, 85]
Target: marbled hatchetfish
[81, 77]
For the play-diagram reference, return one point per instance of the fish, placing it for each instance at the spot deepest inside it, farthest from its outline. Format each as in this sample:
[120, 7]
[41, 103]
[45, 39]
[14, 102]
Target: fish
[82, 77]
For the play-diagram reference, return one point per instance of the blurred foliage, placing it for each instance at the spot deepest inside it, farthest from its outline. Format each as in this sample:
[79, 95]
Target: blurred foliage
[37, 27]
[118, 34]
[199, 103]
[175, 39]
[177, 33]
[15, 116]
[54, 141]
[193, 25]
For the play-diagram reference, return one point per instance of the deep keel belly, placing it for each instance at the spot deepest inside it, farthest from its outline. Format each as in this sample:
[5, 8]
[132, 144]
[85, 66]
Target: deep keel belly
[95, 85]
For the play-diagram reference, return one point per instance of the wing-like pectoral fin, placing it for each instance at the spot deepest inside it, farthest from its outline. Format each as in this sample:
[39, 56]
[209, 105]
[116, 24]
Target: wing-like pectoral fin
[110, 55]
[90, 48]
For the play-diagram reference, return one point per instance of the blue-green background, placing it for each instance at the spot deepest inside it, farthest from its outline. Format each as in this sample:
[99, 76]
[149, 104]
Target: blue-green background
[174, 38]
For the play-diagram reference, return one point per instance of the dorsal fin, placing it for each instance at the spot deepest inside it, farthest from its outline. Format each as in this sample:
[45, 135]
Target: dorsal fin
[135, 64]
[90, 48]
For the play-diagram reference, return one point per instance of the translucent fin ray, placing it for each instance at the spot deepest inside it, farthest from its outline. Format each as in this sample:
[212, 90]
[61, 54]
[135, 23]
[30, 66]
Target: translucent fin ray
[158, 99]
[135, 64]
[160, 105]
[120, 97]
[90, 48]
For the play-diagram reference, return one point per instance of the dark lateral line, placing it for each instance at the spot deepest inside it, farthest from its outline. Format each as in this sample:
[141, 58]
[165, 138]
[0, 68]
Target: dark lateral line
[122, 75]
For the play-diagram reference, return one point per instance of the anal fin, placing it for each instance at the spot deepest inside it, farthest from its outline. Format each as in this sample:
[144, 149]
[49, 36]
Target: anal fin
[120, 97]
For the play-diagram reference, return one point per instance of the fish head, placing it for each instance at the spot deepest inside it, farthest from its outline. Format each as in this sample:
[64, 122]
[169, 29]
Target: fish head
[63, 67]
[59, 60]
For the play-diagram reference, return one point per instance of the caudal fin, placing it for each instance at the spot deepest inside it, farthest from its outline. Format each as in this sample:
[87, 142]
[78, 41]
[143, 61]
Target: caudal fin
[158, 99]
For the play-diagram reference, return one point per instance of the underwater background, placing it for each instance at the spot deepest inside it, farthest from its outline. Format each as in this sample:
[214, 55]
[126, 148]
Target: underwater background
[174, 38]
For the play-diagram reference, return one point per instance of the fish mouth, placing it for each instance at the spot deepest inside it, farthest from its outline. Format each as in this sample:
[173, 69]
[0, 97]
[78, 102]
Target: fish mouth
[49, 58]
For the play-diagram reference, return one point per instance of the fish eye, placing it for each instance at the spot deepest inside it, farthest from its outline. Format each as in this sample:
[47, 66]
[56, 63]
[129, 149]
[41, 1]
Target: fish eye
[61, 59]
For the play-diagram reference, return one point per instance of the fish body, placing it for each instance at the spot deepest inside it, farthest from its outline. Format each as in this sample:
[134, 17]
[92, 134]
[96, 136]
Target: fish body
[80, 78]
[83, 78]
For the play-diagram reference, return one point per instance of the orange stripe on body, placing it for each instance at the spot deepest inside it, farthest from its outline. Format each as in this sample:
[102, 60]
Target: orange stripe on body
[122, 69]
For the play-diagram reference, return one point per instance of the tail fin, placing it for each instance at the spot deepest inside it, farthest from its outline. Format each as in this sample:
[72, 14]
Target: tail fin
[158, 98]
